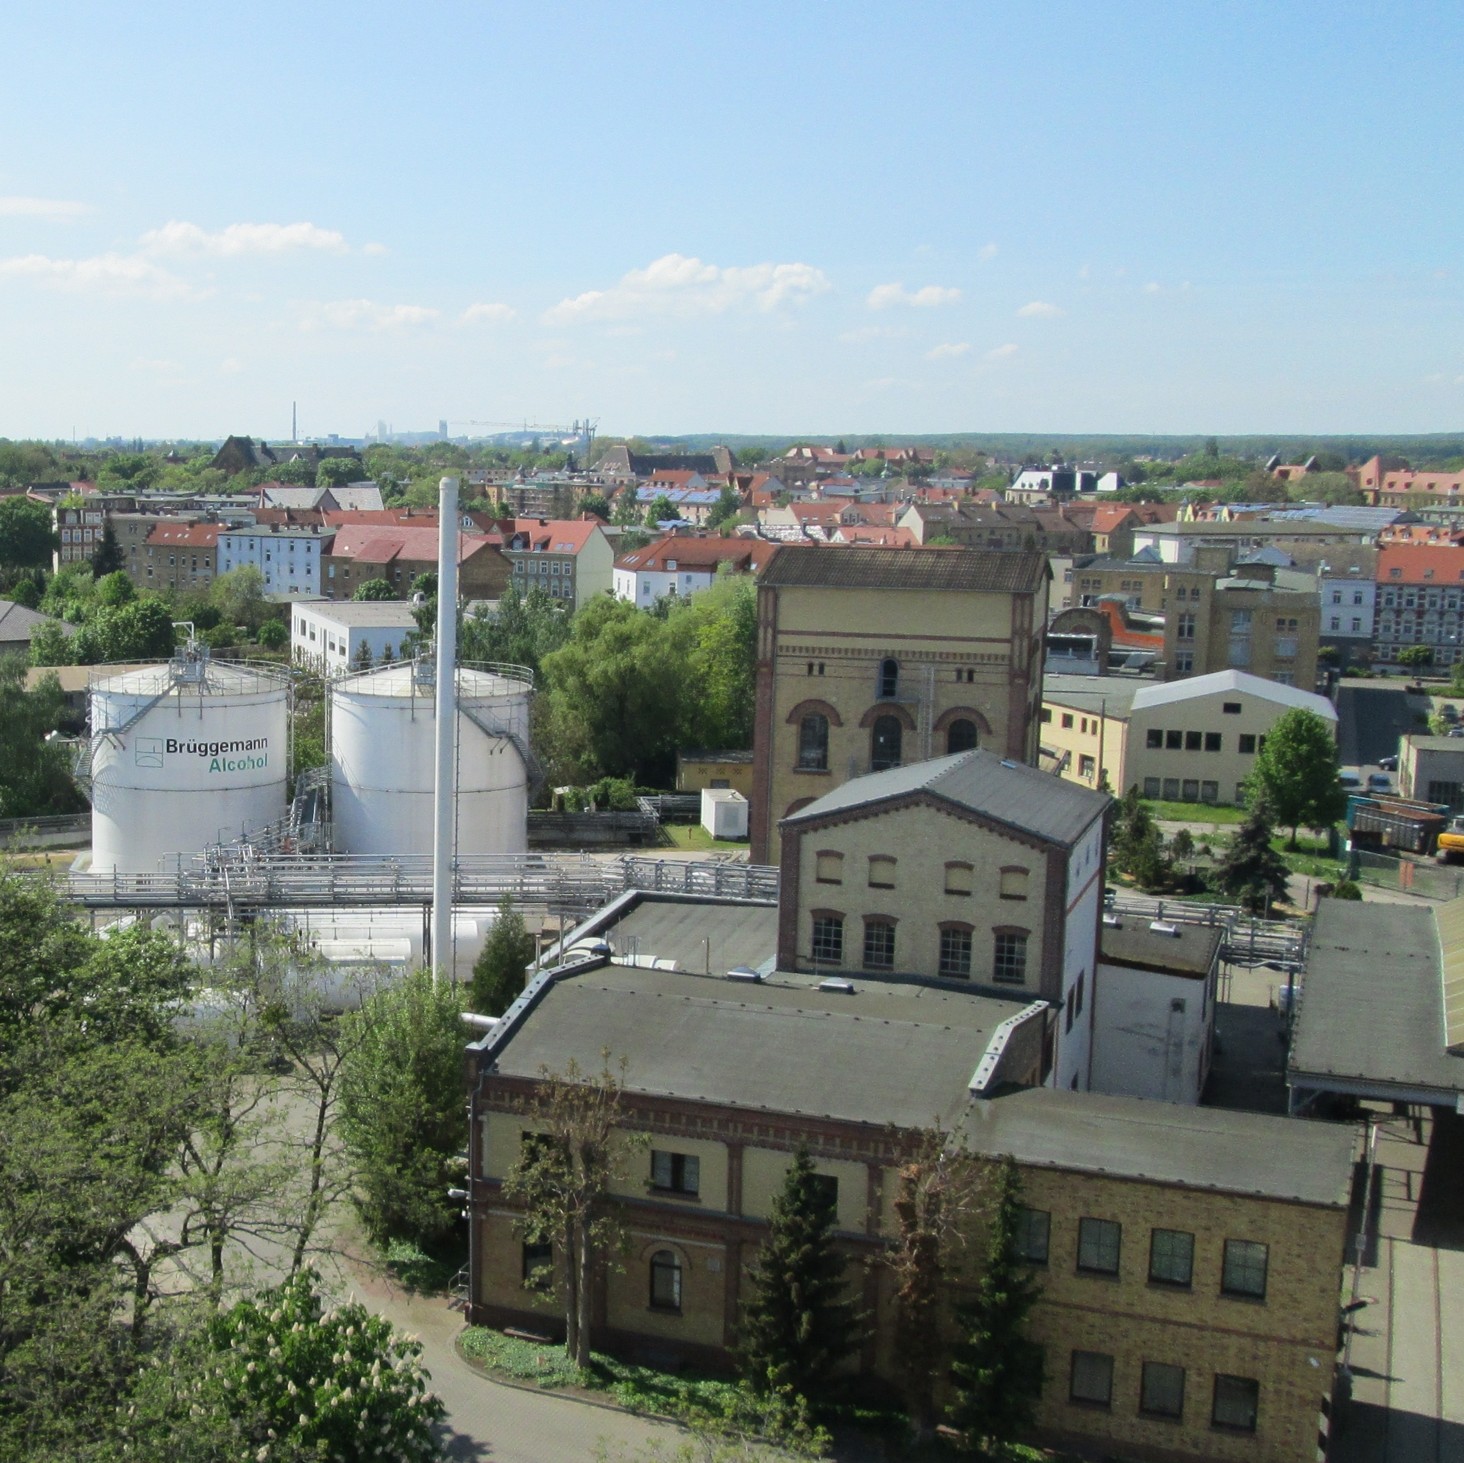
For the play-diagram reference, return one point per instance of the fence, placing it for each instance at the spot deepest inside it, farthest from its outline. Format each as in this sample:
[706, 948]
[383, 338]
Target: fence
[1429, 881]
[43, 832]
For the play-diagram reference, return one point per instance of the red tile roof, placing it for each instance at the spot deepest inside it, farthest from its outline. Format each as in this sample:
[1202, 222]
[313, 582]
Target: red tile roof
[1420, 564]
[186, 535]
[381, 543]
[689, 552]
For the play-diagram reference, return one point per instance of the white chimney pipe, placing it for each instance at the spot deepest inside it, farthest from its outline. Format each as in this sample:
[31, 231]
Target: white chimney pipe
[444, 804]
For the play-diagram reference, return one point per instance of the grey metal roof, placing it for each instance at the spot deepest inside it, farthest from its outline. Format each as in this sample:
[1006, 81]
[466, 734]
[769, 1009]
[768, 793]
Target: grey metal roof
[697, 934]
[1163, 1142]
[1008, 792]
[887, 1053]
[997, 571]
[1371, 1012]
[1189, 951]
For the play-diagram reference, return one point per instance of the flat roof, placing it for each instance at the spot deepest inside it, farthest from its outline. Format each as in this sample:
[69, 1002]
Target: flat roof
[892, 1052]
[393, 613]
[1111, 695]
[1371, 1017]
[695, 932]
[1166, 1143]
[1190, 950]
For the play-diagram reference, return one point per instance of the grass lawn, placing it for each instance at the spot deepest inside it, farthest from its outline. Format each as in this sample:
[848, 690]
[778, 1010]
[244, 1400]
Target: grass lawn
[693, 835]
[1216, 814]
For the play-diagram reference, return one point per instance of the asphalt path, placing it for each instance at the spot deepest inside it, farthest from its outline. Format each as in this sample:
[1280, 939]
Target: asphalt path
[1371, 720]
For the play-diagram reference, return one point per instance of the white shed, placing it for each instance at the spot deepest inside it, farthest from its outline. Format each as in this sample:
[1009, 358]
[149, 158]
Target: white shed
[724, 812]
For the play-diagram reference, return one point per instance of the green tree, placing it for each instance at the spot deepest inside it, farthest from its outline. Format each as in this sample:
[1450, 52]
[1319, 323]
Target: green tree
[374, 589]
[499, 973]
[274, 635]
[336, 472]
[26, 537]
[107, 558]
[239, 597]
[726, 508]
[1251, 870]
[563, 1178]
[113, 589]
[721, 671]
[402, 1105]
[1297, 773]
[524, 629]
[1137, 847]
[35, 775]
[279, 1378]
[50, 644]
[362, 660]
[662, 510]
[597, 504]
[1416, 658]
[798, 1325]
[995, 1367]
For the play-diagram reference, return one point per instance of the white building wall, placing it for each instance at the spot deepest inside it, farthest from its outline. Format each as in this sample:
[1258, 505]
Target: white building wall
[319, 641]
[1170, 547]
[1349, 602]
[290, 563]
[1153, 1034]
[1082, 901]
[645, 586]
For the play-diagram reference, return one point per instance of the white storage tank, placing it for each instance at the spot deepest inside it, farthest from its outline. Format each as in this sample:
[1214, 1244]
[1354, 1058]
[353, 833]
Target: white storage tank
[383, 737]
[184, 755]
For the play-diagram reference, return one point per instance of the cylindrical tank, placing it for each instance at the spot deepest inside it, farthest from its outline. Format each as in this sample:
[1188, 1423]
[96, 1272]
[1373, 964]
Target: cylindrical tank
[183, 755]
[383, 736]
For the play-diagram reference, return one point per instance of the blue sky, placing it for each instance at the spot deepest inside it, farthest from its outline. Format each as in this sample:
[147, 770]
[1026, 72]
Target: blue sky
[769, 218]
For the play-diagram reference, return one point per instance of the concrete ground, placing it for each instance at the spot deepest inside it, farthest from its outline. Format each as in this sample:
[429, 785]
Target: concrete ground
[1404, 1344]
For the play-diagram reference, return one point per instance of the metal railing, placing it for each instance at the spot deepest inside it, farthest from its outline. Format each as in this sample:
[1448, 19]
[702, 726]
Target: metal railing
[1246, 940]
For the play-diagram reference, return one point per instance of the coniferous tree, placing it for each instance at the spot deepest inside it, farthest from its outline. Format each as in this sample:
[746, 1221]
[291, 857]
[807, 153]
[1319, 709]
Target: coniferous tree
[107, 559]
[798, 1325]
[1252, 871]
[1138, 846]
[499, 971]
[996, 1368]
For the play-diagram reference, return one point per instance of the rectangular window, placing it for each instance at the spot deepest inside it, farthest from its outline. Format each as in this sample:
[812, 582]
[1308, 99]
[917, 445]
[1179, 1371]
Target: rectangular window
[1151, 787]
[955, 954]
[1092, 1378]
[958, 877]
[675, 1173]
[538, 1261]
[665, 1281]
[881, 872]
[1212, 741]
[1171, 1257]
[1244, 1272]
[1193, 741]
[1031, 1234]
[829, 868]
[1237, 1402]
[1087, 766]
[1154, 738]
[1174, 741]
[879, 944]
[1161, 1390]
[1209, 792]
[828, 939]
[1247, 744]
[1009, 963]
[1067, 720]
[1099, 1241]
[1231, 708]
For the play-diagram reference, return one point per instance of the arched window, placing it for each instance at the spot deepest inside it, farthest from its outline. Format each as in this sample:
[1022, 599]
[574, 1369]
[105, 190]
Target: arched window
[813, 743]
[961, 736]
[889, 678]
[665, 1281]
[885, 743]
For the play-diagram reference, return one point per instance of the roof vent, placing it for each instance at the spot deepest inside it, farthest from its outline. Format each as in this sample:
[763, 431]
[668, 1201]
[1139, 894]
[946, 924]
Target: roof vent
[842, 987]
[1163, 927]
[1113, 921]
[744, 972]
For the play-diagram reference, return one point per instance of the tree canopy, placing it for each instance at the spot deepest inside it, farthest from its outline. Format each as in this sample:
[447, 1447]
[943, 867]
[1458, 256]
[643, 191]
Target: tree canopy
[1296, 771]
[26, 537]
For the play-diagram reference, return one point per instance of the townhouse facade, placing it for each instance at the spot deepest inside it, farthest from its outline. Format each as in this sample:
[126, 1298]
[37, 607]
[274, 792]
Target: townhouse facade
[570, 559]
[288, 558]
[178, 556]
[399, 555]
[681, 565]
[1420, 597]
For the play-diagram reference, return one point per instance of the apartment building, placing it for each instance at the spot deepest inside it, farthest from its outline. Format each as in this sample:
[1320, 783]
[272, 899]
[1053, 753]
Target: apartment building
[680, 564]
[398, 554]
[568, 558]
[870, 658]
[177, 555]
[1419, 601]
[331, 637]
[288, 557]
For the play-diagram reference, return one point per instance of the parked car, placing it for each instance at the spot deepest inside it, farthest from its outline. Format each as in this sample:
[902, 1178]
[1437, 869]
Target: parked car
[1388, 764]
[1350, 781]
[1379, 782]
[1449, 711]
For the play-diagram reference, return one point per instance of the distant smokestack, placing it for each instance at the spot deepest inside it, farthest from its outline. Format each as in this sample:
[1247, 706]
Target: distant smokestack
[445, 787]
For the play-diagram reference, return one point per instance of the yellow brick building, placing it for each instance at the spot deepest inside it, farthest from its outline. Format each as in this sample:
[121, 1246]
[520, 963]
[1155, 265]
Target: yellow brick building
[874, 658]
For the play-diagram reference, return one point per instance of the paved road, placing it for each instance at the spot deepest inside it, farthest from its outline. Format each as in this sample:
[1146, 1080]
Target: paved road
[1371, 718]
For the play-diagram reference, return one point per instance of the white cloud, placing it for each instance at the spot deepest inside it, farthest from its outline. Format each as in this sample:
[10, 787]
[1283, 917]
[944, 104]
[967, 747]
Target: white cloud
[948, 350]
[15, 205]
[1002, 352]
[1153, 287]
[1040, 309]
[176, 237]
[375, 249]
[107, 274]
[987, 251]
[365, 315]
[492, 314]
[883, 296]
[680, 286]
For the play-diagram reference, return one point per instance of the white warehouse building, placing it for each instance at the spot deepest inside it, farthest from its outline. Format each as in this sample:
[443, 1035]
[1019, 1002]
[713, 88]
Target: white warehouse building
[328, 635]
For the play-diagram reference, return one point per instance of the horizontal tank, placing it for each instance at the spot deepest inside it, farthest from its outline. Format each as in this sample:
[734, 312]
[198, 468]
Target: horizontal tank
[183, 755]
[383, 746]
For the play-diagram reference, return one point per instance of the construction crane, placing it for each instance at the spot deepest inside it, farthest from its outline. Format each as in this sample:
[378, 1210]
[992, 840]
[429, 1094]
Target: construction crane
[584, 429]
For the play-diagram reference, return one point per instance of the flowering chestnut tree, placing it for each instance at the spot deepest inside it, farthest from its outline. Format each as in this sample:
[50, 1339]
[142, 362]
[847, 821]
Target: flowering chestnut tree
[279, 1379]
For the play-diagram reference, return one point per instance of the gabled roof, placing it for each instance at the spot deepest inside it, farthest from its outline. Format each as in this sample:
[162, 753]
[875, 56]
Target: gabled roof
[971, 571]
[1420, 564]
[1232, 682]
[555, 535]
[381, 543]
[19, 623]
[687, 552]
[1007, 792]
[186, 535]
